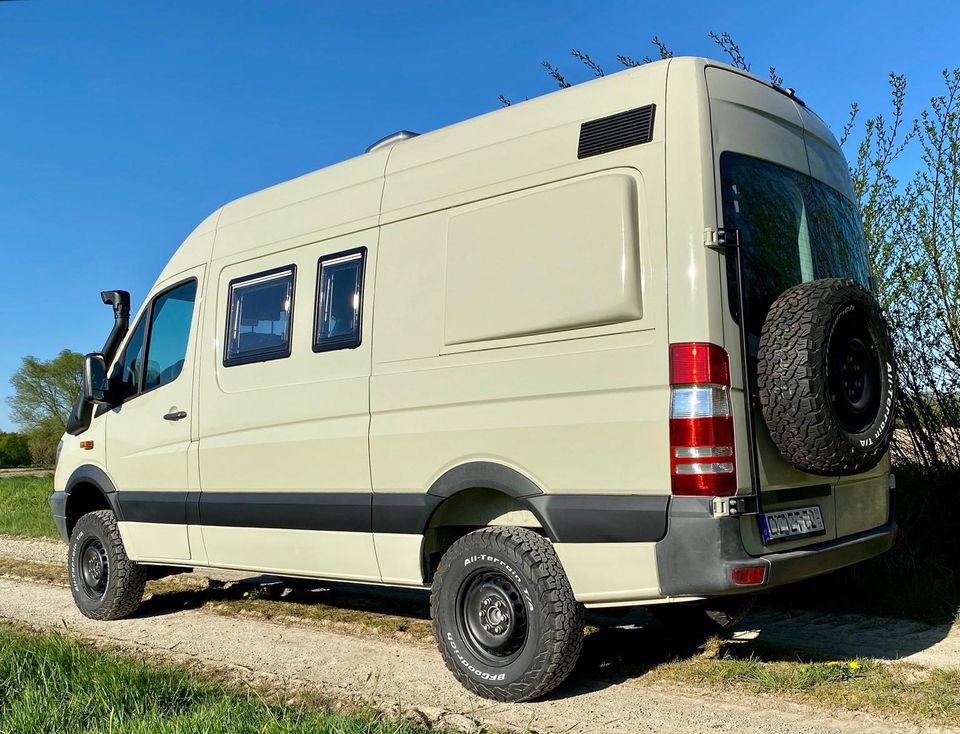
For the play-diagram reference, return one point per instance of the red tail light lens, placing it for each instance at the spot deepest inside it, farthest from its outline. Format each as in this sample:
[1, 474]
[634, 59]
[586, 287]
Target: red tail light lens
[749, 575]
[702, 459]
[699, 363]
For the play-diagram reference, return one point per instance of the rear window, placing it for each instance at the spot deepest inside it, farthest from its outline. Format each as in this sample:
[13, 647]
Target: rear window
[260, 311]
[793, 229]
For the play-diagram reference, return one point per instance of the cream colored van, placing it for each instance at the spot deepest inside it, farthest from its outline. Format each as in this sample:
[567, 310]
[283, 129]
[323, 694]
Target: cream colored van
[613, 346]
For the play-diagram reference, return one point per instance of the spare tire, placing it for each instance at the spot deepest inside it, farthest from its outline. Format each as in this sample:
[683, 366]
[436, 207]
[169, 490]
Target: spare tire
[826, 377]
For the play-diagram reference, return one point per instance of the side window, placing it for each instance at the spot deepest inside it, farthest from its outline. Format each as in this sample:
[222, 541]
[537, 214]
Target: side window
[125, 378]
[339, 301]
[170, 319]
[259, 309]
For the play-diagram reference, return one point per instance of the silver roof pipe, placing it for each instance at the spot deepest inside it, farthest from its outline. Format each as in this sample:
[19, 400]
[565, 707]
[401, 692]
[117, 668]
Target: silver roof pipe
[391, 139]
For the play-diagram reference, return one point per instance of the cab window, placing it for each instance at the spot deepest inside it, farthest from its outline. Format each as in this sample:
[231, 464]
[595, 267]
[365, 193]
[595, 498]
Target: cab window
[126, 371]
[162, 334]
[170, 318]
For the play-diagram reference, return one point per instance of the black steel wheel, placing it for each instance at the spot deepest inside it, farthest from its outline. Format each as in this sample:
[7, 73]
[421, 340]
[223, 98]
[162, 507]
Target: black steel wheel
[492, 617]
[94, 568]
[853, 374]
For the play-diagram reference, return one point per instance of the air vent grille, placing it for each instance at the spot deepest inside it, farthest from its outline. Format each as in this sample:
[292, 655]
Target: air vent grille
[621, 130]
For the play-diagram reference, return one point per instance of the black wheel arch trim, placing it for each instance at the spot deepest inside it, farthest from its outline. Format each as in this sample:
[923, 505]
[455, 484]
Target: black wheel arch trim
[486, 475]
[565, 518]
[97, 477]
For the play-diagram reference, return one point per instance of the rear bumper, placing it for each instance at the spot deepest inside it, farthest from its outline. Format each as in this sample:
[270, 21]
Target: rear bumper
[58, 505]
[699, 553]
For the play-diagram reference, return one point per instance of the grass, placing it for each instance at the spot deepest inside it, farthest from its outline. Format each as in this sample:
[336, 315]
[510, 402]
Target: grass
[50, 573]
[646, 655]
[858, 685]
[51, 683]
[25, 507]
[349, 612]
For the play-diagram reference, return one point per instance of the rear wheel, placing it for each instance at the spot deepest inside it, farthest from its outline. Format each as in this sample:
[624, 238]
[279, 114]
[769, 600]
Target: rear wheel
[504, 615]
[105, 583]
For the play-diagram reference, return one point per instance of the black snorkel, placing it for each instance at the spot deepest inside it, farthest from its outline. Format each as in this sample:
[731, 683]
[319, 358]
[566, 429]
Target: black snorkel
[82, 412]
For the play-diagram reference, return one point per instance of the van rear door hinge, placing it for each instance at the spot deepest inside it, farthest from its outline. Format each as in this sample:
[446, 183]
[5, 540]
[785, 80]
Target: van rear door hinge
[734, 506]
[721, 239]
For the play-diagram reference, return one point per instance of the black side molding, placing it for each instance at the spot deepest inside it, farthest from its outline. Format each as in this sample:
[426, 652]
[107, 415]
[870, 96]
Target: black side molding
[348, 512]
[622, 130]
[566, 518]
[403, 512]
[602, 518]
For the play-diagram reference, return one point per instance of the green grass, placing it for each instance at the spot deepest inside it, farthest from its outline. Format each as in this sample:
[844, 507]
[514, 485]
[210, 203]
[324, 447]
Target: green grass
[51, 683]
[857, 685]
[25, 507]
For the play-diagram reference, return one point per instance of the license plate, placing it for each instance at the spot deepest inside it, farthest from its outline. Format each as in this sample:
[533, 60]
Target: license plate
[798, 522]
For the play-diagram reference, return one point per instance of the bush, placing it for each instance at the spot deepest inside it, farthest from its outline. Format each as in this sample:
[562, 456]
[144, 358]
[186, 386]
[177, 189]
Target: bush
[42, 442]
[14, 450]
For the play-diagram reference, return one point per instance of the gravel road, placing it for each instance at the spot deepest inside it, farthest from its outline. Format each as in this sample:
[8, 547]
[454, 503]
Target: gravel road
[413, 678]
[814, 633]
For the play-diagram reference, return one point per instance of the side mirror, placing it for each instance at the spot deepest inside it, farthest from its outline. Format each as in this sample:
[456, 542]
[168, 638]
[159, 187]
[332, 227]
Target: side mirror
[96, 384]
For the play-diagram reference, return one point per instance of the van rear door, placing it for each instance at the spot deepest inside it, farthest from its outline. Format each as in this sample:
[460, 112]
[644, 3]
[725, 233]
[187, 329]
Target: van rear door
[763, 173]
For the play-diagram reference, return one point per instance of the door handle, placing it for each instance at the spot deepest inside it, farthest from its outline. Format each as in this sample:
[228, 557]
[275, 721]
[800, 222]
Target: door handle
[178, 415]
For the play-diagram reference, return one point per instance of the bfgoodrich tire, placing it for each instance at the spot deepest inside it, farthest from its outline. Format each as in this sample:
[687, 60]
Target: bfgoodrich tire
[826, 378]
[504, 615]
[105, 583]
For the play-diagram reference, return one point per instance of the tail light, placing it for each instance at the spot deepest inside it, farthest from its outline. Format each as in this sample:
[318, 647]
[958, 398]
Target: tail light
[702, 460]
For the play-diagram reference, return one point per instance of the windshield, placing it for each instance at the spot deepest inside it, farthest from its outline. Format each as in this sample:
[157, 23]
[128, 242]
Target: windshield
[792, 229]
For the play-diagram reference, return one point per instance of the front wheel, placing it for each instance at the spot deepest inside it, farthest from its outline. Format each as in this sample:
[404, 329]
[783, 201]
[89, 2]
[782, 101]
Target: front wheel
[105, 583]
[504, 614]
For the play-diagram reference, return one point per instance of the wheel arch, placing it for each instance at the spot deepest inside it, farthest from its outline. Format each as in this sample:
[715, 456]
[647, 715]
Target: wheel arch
[473, 495]
[89, 489]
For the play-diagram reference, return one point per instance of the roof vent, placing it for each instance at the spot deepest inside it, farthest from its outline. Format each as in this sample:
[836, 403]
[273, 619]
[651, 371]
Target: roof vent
[391, 139]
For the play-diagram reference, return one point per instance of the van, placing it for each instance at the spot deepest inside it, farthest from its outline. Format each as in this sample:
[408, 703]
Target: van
[614, 346]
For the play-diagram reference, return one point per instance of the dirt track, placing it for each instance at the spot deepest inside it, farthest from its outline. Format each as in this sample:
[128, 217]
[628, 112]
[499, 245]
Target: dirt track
[603, 696]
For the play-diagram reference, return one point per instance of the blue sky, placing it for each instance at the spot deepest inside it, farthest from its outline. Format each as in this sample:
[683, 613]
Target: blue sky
[122, 125]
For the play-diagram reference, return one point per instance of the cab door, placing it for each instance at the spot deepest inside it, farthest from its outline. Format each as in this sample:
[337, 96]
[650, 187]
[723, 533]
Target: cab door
[149, 441]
